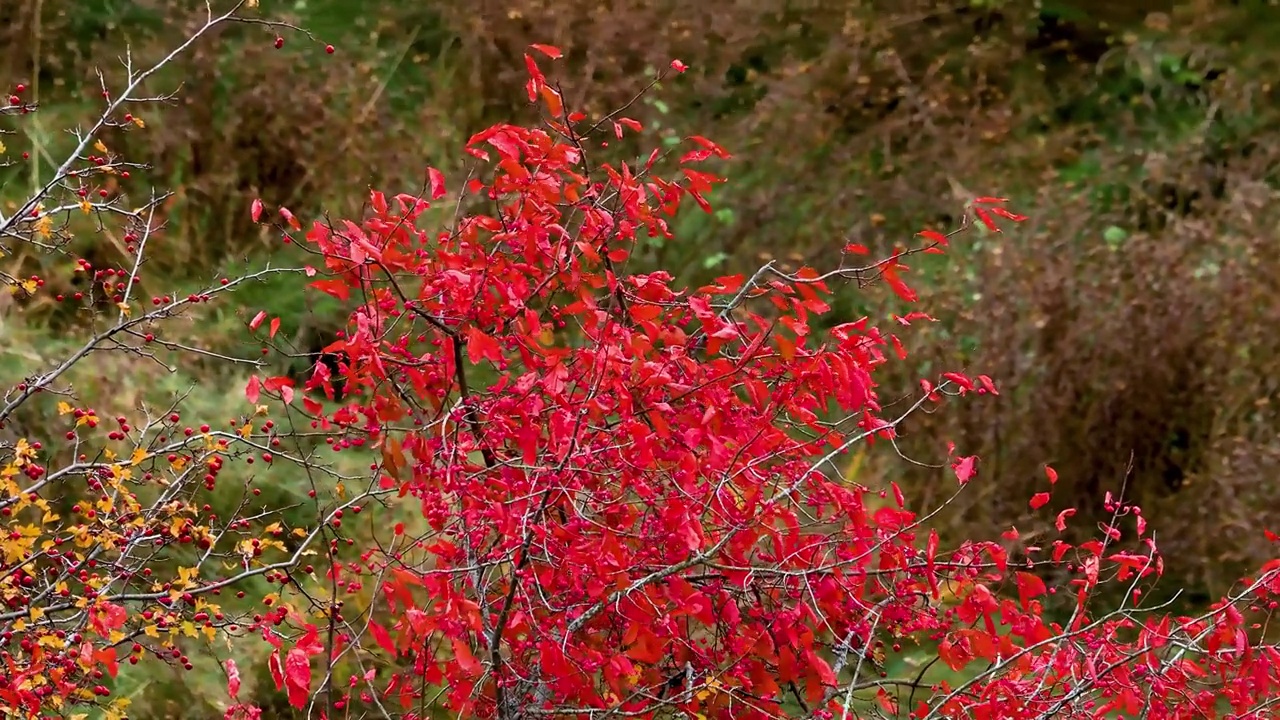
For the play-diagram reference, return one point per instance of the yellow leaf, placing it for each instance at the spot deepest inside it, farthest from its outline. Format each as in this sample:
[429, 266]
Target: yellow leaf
[3, 149]
[138, 121]
[86, 207]
[151, 631]
[100, 147]
[189, 629]
[44, 226]
[138, 456]
[64, 408]
[36, 613]
[117, 709]
[124, 308]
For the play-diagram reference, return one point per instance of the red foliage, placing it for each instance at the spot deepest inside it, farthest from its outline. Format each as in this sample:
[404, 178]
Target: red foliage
[628, 492]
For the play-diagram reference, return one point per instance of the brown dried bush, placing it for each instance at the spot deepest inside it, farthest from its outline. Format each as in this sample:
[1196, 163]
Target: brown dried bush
[1133, 327]
[252, 121]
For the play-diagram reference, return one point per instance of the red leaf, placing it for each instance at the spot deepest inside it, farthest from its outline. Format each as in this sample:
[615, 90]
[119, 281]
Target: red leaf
[933, 235]
[1029, 587]
[678, 66]
[466, 661]
[965, 468]
[256, 322]
[1061, 522]
[255, 210]
[436, 180]
[550, 51]
[1039, 500]
[481, 346]
[277, 672]
[1001, 212]
[275, 327]
[289, 218]
[233, 678]
[1051, 474]
[985, 217]
[988, 385]
[297, 677]
[987, 200]
[253, 390]
[382, 637]
[899, 287]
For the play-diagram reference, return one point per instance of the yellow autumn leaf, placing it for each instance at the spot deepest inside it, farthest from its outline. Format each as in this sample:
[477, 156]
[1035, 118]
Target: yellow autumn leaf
[151, 631]
[138, 456]
[117, 709]
[44, 226]
[138, 121]
[124, 308]
[86, 207]
[3, 149]
[64, 408]
[100, 147]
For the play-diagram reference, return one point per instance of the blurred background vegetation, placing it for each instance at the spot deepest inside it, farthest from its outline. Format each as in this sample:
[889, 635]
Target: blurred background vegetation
[1131, 324]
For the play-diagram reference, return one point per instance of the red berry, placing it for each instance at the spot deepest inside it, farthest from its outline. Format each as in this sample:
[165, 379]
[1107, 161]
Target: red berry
[328, 49]
[279, 42]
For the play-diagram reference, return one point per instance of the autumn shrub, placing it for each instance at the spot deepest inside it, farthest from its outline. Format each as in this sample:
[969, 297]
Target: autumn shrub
[629, 500]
